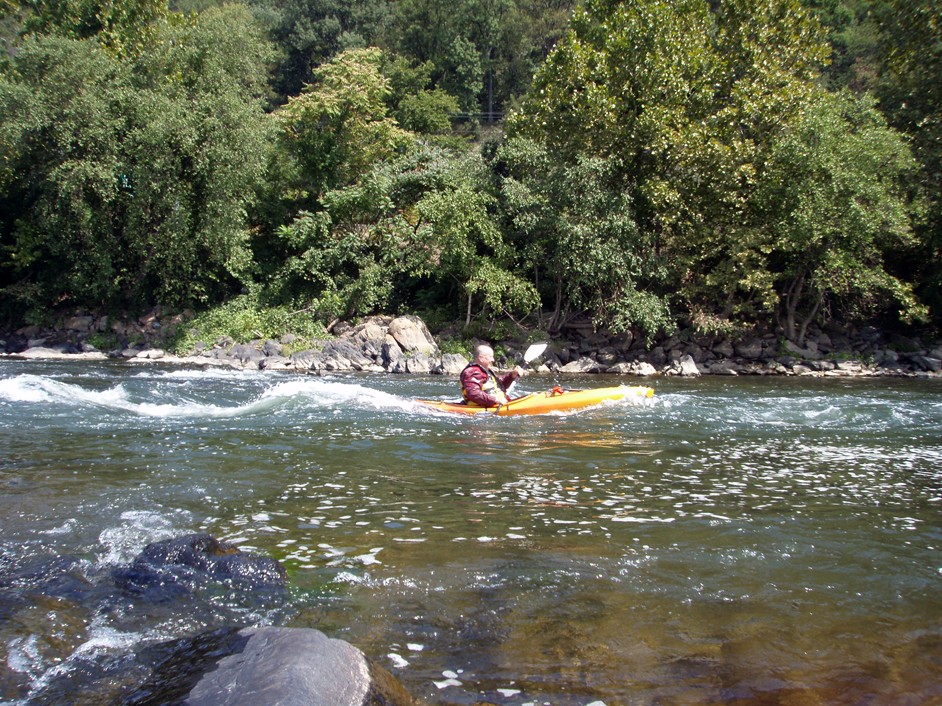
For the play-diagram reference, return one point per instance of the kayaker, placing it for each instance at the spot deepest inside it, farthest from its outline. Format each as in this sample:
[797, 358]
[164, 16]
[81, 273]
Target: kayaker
[482, 386]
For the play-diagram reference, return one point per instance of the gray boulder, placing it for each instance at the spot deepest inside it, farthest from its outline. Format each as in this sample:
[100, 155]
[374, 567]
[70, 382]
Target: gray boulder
[307, 360]
[412, 335]
[724, 349]
[80, 324]
[419, 364]
[370, 337]
[341, 354]
[277, 362]
[175, 567]
[582, 365]
[685, 367]
[810, 352]
[723, 367]
[750, 350]
[296, 666]
[265, 666]
[393, 357]
[927, 363]
[272, 348]
[452, 364]
[639, 368]
[247, 354]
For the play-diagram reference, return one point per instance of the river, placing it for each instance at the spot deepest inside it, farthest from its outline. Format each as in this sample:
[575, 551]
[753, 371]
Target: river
[731, 540]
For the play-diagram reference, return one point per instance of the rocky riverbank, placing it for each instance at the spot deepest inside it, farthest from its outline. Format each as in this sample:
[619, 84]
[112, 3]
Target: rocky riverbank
[403, 344]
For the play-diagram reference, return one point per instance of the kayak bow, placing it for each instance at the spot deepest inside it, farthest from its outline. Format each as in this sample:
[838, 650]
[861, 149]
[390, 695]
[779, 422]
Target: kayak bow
[555, 400]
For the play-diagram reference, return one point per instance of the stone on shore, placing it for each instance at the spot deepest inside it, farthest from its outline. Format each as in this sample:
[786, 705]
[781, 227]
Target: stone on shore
[404, 344]
[412, 335]
[45, 352]
[684, 366]
[453, 364]
[582, 365]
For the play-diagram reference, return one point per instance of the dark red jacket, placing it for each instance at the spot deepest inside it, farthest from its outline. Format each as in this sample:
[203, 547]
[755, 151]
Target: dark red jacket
[478, 385]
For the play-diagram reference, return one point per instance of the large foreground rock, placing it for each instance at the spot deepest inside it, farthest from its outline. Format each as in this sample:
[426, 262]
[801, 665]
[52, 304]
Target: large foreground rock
[267, 666]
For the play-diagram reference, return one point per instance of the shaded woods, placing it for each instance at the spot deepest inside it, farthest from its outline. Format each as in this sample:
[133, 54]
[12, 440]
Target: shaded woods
[715, 165]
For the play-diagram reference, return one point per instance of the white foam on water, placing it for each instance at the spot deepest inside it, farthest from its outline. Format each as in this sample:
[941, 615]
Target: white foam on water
[210, 373]
[66, 527]
[327, 393]
[314, 393]
[398, 660]
[39, 388]
[23, 656]
[120, 545]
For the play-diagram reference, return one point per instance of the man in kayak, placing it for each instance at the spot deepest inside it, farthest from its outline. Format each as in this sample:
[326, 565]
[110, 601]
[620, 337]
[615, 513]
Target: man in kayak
[480, 385]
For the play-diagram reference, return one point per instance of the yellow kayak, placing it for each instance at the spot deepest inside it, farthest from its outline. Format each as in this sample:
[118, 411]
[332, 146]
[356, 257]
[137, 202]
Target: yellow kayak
[555, 400]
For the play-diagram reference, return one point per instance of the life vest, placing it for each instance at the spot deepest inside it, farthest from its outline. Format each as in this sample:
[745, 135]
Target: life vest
[491, 386]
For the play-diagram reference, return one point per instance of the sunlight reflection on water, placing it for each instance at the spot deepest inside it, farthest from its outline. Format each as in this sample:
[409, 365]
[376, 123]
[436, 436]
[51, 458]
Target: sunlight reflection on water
[745, 539]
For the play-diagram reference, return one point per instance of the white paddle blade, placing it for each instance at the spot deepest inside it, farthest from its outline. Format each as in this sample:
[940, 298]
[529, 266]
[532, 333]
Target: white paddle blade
[534, 352]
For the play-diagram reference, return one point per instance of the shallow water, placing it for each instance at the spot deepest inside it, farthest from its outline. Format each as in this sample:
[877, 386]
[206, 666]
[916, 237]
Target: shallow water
[732, 540]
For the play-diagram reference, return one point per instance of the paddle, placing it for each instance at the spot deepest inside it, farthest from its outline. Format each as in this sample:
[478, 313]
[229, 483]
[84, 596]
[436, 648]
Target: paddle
[531, 354]
[534, 352]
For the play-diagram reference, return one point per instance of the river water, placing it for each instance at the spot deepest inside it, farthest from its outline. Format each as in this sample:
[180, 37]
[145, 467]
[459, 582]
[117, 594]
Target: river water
[731, 540]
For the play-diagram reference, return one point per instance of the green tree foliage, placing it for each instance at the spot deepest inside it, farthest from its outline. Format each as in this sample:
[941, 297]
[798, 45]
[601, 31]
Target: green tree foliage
[690, 102]
[854, 33]
[483, 52]
[419, 220]
[123, 26]
[413, 103]
[339, 126]
[334, 137]
[692, 159]
[576, 228]
[311, 32]
[831, 207]
[127, 182]
[911, 96]
[457, 228]
[64, 105]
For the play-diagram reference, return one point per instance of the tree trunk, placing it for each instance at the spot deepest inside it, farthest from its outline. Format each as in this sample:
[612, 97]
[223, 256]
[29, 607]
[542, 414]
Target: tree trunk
[557, 308]
[792, 297]
[803, 331]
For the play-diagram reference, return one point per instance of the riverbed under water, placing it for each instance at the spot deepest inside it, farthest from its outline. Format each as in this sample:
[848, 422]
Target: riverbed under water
[731, 540]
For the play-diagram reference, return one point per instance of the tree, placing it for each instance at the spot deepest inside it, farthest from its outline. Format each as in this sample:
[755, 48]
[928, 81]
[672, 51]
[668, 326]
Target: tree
[691, 102]
[413, 103]
[203, 141]
[457, 227]
[339, 126]
[832, 208]
[576, 227]
[484, 52]
[911, 97]
[124, 27]
[127, 181]
[333, 138]
[417, 226]
[64, 104]
[311, 32]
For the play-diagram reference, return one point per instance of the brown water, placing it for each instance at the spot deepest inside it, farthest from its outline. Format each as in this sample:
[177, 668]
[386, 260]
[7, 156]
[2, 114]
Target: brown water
[753, 541]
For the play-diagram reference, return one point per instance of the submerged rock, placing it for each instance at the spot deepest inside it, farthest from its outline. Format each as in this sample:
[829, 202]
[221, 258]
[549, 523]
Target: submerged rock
[167, 569]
